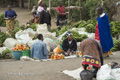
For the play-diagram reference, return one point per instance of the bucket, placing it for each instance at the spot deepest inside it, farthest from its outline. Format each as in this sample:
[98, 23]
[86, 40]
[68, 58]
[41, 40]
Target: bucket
[58, 49]
[17, 54]
[26, 53]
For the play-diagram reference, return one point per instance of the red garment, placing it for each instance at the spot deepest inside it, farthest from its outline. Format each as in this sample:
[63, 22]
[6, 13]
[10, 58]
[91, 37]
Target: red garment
[61, 10]
[97, 33]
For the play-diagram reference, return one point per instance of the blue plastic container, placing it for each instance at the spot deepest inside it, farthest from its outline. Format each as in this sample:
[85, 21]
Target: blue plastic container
[17, 54]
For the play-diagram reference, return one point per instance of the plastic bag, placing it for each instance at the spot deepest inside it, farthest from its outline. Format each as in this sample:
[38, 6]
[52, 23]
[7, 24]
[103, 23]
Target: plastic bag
[105, 73]
[10, 43]
[74, 73]
[2, 49]
[31, 33]
[23, 36]
[86, 75]
[42, 29]
[116, 73]
[58, 50]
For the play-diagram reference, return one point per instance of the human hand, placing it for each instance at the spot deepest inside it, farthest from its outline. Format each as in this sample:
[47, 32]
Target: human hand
[67, 12]
[68, 51]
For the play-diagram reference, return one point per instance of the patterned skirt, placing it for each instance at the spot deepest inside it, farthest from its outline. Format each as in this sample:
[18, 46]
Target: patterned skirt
[10, 24]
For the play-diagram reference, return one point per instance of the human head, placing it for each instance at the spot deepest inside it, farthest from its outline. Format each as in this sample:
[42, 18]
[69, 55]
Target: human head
[40, 37]
[9, 7]
[34, 7]
[40, 3]
[99, 10]
[60, 3]
[45, 6]
[69, 35]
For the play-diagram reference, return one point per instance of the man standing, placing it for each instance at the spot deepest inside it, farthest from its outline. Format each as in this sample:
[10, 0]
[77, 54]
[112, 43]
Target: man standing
[104, 31]
[45, 17]
[10, 16]
[39, 49]
[61, 17]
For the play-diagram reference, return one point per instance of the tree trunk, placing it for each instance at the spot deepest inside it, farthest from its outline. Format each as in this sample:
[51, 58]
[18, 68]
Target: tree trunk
[21, 3]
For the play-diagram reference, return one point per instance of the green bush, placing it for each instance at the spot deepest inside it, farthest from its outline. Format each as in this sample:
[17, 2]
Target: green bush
[2, 20]
[3, 37]
[115, 29]
[90, 28]
[116, 45]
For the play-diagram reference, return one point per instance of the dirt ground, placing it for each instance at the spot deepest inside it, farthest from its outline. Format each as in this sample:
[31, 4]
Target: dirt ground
[51, 70]
[24, 16]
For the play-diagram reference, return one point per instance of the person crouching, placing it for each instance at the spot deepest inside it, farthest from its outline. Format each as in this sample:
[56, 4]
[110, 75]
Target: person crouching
[69, 45]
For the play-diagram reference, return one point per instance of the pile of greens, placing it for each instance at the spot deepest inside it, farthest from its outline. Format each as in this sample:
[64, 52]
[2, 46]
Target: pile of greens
[6, 54]
[78, 37]
[116, 45]
[33, 26]
[2, 20]
[115, 29]
[3, 37]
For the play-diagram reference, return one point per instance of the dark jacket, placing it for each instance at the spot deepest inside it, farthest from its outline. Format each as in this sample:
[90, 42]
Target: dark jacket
[66, 46]
[45, 17]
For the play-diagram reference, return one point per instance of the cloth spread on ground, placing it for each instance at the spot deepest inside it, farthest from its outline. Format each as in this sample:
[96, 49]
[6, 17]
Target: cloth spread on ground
[91, 48]
[104, 33]
[74, 73]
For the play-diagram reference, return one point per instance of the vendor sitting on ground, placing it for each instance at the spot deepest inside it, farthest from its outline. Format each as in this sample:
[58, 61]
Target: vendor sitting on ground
[69, 45]
[39, 49]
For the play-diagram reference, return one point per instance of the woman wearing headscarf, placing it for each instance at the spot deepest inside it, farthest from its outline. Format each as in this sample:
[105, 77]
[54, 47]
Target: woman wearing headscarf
[69, 45]
[40, 9]
[92, 54]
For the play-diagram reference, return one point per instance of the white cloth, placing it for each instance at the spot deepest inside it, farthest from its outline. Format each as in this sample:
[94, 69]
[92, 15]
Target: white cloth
[102, 15]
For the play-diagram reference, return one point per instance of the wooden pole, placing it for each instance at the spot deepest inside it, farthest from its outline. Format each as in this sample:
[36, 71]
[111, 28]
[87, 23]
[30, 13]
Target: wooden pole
[80, 10]
[69, 9]
[50, 5]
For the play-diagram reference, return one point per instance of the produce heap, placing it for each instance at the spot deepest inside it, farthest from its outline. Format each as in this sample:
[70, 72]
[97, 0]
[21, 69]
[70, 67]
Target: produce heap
[20, 47]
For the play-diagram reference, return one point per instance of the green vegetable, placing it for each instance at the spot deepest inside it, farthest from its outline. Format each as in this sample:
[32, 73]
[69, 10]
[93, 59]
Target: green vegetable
[33, 26]
[90, 28]
[116, 45]
[115, 29]
[6, 54]
[3, 37]
[2, 20]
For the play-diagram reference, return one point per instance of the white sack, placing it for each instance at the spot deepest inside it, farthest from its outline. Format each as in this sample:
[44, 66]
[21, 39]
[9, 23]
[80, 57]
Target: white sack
[105, 73]
[10, 43]
[23, 36]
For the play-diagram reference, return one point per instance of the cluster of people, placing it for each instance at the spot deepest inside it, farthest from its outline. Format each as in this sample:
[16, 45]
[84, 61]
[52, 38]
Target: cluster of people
[93, 50]
[41, 15]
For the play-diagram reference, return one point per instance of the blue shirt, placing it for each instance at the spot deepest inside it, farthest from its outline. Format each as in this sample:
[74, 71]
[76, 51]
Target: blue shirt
[39, 50]
[10, 14]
